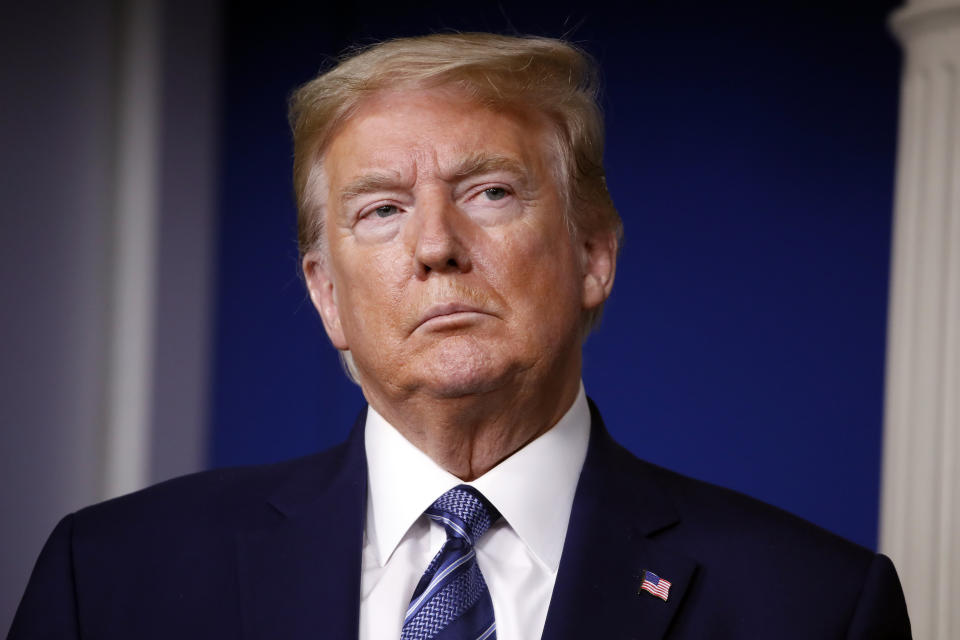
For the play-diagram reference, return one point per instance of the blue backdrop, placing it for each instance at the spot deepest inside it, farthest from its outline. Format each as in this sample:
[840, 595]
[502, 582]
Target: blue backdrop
[750, 153]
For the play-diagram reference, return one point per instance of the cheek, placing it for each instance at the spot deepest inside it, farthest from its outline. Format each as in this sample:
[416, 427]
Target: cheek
[372, 291]
[515, 247]
[537, 266]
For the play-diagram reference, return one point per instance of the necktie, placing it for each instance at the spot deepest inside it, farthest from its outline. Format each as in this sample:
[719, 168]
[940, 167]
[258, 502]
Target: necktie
[451, 601]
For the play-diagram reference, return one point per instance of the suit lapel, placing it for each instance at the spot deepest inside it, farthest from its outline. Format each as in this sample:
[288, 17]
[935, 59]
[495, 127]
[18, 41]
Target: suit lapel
[616, 511]
[299, 575]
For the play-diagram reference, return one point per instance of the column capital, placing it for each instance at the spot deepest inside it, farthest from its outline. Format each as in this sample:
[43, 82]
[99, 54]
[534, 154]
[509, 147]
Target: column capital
[919, 17]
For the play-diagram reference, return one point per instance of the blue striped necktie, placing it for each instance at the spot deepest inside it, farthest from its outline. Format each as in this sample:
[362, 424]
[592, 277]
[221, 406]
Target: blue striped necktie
[451, 601]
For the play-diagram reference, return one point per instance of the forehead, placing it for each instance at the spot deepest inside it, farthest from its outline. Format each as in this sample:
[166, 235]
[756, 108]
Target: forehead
[415, 130]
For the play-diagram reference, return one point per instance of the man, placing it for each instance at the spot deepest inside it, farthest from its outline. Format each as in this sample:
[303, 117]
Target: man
[458, 242]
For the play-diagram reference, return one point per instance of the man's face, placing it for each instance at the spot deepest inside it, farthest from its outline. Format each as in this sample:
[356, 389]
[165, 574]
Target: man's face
[449, 270]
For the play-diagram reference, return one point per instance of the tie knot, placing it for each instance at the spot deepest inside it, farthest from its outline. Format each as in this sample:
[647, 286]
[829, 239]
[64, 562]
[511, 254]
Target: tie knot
[464, 512]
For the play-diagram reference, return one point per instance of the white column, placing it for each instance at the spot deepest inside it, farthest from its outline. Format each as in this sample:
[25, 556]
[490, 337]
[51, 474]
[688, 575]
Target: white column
[163, 245]
[130, 377]
[920, 517]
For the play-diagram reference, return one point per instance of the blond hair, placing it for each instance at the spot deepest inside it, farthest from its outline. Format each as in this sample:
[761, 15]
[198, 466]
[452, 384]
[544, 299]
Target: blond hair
[548, 76]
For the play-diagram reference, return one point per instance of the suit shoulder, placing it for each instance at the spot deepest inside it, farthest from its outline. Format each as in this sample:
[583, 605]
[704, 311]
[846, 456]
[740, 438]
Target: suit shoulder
[710, 515]
[788, 566]
[225, 497]
[738, 526]
[743, 533]
[733, 512]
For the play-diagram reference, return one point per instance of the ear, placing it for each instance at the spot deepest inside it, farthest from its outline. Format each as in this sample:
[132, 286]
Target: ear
[323, 295]
[599, 259]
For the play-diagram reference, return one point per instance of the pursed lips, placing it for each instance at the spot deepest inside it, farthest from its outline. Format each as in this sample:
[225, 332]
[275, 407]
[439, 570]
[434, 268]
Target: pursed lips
[448, 309]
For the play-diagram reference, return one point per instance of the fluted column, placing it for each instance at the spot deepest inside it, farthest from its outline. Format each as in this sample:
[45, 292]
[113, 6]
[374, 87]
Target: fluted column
[920, 519]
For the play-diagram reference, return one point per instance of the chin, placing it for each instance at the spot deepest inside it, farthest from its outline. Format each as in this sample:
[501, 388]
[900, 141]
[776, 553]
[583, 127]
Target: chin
[464, 368]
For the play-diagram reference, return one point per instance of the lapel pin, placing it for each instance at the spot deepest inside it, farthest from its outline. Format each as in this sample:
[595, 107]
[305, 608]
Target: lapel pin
[652, 583]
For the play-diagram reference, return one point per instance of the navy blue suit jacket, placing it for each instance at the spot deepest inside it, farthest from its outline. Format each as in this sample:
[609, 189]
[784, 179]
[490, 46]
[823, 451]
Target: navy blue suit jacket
[273, 552]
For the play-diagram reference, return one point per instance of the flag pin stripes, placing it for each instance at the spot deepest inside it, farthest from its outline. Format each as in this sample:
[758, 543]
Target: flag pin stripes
[652, 583]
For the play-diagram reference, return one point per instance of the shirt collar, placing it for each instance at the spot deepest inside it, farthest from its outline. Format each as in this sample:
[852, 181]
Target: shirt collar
[533, 489]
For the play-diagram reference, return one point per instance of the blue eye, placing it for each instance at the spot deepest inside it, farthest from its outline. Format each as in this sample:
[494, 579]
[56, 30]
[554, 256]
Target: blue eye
[385, 211]
[495, 193]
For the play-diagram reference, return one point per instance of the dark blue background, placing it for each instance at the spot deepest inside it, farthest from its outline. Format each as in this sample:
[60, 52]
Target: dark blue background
[750, 152]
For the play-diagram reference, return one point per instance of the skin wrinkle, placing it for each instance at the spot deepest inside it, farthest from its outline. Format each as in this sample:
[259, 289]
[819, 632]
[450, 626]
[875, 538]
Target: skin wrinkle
[474, 388]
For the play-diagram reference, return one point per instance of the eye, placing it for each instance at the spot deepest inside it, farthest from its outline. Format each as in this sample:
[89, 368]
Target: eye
[495, 193]
[385, 210]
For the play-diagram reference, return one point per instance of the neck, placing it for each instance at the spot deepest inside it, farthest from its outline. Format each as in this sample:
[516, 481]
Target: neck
[469, 435]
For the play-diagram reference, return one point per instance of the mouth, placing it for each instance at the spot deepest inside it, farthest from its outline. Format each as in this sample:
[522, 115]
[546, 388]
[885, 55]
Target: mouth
[448, 314]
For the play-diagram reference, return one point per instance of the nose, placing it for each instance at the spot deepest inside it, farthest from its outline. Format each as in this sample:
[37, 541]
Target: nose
[440, 242]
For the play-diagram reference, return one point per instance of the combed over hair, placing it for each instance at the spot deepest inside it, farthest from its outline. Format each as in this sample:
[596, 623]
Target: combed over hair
[545, 75]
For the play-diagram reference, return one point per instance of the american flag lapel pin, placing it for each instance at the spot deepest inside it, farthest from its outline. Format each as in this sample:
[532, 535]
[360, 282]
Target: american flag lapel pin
[652, 583]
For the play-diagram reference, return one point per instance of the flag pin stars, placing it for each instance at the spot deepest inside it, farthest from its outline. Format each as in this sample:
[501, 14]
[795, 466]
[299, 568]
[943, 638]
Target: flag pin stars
[652, 583]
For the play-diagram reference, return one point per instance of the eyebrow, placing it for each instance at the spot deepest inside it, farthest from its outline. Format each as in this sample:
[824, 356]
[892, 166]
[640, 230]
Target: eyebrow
[368, 183]
[478, 163]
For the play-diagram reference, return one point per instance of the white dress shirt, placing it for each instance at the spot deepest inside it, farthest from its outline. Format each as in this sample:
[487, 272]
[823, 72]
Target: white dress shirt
[533, 490]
